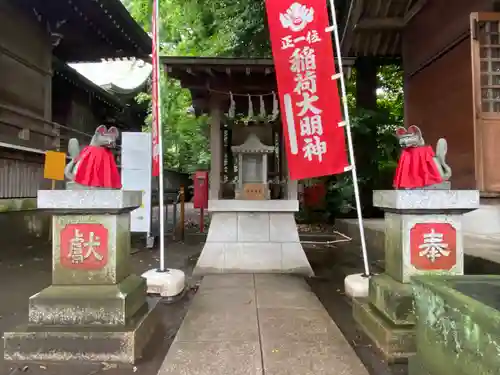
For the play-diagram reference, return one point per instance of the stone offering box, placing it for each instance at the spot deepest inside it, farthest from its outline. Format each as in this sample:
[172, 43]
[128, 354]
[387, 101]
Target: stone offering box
[423, 234]
[95, 309]
[458, 325]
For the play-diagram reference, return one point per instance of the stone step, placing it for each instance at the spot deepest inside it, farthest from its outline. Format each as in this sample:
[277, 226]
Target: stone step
[102, 343]
[88, 305]
[396, 343]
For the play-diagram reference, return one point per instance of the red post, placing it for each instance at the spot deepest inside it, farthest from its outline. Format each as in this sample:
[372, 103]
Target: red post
[202, 220]
[201, 195]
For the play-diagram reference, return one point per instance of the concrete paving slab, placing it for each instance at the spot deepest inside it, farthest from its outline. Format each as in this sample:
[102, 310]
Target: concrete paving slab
[287, 331]
[231, 325]
[296, 324]
[244, 281]
[212, 358]
[284, 283]
[297, 299]
[224, 299]
[286, 357]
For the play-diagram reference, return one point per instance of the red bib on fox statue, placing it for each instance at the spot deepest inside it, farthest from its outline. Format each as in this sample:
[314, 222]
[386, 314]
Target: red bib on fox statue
[96, 163]
[416, 167]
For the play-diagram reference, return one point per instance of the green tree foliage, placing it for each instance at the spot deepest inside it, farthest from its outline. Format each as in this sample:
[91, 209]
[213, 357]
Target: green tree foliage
[198, 28]
[239, 29]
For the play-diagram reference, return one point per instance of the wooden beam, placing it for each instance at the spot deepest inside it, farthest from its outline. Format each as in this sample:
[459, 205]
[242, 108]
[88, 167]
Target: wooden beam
[395, 23]
[412, 12]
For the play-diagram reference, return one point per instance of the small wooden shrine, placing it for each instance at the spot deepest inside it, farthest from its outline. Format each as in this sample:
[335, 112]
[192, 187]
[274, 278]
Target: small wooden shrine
[251, 198]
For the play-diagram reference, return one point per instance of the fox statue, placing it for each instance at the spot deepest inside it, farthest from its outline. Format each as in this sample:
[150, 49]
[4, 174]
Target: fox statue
[94, 166]
[418, 166]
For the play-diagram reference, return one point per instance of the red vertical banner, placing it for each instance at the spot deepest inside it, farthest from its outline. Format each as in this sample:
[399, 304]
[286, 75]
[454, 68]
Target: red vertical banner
[155, 110]
[309, 98]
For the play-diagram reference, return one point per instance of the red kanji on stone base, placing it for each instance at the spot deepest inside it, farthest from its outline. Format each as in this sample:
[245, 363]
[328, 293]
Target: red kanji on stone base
[433, 246]
[84, 246]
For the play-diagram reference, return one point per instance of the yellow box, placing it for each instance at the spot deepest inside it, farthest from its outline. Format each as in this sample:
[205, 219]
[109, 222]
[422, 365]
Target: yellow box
[55, 162]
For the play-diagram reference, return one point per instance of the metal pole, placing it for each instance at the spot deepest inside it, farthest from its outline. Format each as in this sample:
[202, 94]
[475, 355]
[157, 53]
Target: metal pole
[202, 220]
[182, 213]
[160, 140]
[349, 140]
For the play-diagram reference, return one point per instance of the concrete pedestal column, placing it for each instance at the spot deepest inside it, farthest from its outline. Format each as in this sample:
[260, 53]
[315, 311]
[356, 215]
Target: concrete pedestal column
[95, 309]
[423, 234]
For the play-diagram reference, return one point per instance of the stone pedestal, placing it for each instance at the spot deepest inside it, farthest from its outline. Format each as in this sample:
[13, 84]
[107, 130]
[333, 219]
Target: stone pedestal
[248, 236]
[95, 309]
[423, 234]
[458, 325]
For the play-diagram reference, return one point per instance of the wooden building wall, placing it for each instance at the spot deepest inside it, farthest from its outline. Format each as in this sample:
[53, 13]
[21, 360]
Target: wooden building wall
[25, 91]
[26, 64]
[29, 95]
[438, 80]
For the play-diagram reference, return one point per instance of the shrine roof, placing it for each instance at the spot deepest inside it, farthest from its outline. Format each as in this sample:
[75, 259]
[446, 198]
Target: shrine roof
[209, 76]
[118, 105]
[375, 28]
[89, 30]
[122, 77]
[73, 77]
[252, 145]
[204, 67]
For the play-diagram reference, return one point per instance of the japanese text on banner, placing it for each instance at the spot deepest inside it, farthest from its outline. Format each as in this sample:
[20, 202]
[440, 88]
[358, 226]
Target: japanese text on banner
[310, 102]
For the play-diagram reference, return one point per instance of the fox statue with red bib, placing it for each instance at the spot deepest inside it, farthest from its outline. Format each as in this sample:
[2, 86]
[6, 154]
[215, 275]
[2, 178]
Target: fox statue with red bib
[418, 166]
[94, 167]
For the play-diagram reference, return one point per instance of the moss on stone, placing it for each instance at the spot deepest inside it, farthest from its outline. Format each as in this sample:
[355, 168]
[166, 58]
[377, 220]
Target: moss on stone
[20, 204]
[456, 334]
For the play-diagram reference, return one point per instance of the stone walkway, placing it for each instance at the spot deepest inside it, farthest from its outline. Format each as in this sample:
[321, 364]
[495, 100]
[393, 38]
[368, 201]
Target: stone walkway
[259, 325]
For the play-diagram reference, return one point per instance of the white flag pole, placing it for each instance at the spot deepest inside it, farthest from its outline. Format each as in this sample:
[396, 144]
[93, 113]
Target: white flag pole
[160, 136]
[334, 28]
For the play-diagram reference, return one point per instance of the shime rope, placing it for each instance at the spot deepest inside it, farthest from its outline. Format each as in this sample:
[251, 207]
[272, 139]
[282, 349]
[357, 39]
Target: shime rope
[251, 112]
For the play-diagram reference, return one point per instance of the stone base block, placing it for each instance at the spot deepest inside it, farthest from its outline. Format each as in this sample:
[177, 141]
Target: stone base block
[256, 241]
[357, 285]
[123, 344]
[169, 283]
[253, 257]
[396, 343]
[88, 304]
[393, 299]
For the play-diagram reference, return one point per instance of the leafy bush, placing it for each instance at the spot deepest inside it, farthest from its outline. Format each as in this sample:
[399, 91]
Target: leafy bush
[376, 152]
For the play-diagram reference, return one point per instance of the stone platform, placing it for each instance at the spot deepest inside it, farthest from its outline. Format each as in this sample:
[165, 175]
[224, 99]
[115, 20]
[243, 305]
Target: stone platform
[259, 324]
[96, 309]
[248, 236]
[104, 343]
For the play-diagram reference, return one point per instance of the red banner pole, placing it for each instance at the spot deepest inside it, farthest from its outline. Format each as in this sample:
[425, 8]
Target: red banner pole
[157, 131]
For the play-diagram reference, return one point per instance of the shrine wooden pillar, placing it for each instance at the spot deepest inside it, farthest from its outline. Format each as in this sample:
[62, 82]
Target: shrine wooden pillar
[292, 187]
[366, 83]
[216, 161]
